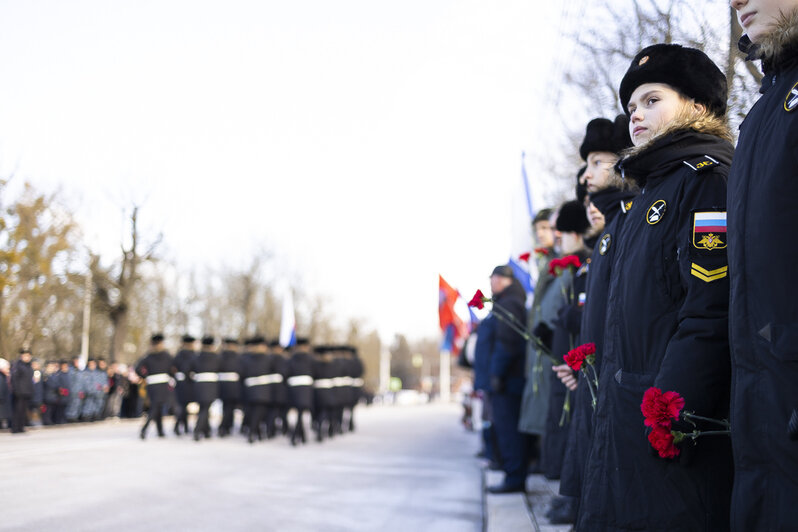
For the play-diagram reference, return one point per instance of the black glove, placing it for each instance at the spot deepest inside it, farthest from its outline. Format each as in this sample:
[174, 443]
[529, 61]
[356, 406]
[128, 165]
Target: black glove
[497, 384]
[545, 334]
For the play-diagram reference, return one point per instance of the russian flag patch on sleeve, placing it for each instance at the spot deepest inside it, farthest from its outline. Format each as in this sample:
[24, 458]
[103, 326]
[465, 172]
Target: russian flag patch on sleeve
[709, 230]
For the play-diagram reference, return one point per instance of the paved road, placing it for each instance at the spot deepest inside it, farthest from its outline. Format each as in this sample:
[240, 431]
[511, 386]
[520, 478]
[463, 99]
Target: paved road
[407, 468]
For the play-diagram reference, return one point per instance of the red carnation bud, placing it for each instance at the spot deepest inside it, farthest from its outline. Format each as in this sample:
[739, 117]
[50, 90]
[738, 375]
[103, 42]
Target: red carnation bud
[574, 359]
[542, 251]
[524, 256]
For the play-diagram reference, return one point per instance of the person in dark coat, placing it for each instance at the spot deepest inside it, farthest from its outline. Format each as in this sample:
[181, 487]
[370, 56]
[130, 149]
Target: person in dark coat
[278, 409]
[5, 394]
[229, 384]
[763, 309]
[534, 404]
[507, 363]
[339, 390]
[184, 392]
[21, 390]
[205, 380]
[300, 386]
[256, 374]
[571, 224]
[323, 399]
[486, 336]
[155, 369]
[355, 373]
[50, 392]
[667, 304]
[603, 143]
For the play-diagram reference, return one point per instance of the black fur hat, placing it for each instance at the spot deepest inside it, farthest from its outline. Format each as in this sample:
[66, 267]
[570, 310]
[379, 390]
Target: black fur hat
[572, 218]
[687, 70]
[602, 134]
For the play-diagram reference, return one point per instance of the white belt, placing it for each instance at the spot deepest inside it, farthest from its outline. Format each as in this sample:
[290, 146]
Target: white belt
[263, 379]
[323, 383]
[342, 381]
[158, 378]
[230, 376]
[357, 382]
[300, 380]
[206, 377]
[180, 376]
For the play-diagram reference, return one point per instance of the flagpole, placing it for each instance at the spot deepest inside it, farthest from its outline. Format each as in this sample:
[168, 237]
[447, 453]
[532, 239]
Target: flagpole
[446, 376]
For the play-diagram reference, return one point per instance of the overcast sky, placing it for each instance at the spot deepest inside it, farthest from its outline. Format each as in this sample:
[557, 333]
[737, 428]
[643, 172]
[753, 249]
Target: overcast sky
[371, 145]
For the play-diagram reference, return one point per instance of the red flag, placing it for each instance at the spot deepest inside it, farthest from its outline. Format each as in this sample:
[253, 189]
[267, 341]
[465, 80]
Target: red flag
[452, 325]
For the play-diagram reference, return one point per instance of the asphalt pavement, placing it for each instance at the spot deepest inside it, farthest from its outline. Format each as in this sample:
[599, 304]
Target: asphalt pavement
[405, 468]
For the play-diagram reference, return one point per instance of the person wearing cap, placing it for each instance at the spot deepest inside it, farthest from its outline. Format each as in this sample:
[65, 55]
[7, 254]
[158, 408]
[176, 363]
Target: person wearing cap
[256, 374]
[667, 304]
[507, 363]
[278, 408]
[300, 386]
[603, 143]
[763, 307]
[21, 380]
[184, 392]
[571, 226]
[205, 381]
[155, 369]
[229, 384]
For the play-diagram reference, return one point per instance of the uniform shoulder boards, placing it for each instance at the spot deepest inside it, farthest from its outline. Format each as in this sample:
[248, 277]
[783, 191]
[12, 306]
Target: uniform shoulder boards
[701, 164]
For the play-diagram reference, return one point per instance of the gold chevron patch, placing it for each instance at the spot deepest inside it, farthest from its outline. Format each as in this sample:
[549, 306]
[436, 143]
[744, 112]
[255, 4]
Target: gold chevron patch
[708, 275]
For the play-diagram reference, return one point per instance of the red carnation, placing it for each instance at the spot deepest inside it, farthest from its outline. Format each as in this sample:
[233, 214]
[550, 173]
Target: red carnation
[542, 251]
[571, 260]
[43, 408]
[661, 440]
[589, 349]
[659, 409]
[477, 300]
[555, 266]
[524, 256]
[575, 358]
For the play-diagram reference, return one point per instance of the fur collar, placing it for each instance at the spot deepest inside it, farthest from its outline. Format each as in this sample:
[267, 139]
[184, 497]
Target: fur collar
[778, 46]
[706, 123]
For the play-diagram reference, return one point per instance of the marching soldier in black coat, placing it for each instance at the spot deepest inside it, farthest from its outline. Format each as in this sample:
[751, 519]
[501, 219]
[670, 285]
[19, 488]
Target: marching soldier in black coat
[21, 390]
[356, 372]
[243, 361]
[257, 378]
[667, 305]
[323, 384]
[763, 309]
[184, 393]
[278, 409]
[229, 384]
[300, 386]
[340, 390]
[155, 369]
[205, 378]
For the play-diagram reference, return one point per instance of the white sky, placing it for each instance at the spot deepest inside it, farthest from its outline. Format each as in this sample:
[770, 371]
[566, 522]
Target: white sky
[370, 144]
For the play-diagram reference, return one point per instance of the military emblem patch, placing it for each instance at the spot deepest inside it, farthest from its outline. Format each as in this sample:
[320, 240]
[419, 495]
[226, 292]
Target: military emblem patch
[709, 230]
[656, 212]
[791, 101]
[708, 275]
[604, 244]
[625, 206]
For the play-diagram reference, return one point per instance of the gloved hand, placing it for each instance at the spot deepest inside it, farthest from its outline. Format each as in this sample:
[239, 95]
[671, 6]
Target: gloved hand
[497, 384]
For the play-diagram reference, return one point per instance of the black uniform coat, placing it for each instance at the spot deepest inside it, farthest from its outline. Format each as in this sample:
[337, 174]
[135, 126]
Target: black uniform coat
[300, 380]
[22, 379]
[323, 392]
[280, 388]
[229, 366]
[159, 363]
[184, 361]
[258, 365]
[565, 338]
[508, 357]
[356, 372]
[763, 190]
[612, 203]
[667, 320]
[205, 376]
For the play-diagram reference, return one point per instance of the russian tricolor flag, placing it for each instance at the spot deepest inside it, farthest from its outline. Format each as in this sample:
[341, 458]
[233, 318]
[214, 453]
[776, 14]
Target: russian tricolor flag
[710, 222]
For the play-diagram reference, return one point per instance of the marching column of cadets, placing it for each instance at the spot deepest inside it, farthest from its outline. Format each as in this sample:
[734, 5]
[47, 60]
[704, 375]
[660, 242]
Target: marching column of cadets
[263, 381]
[667, 306]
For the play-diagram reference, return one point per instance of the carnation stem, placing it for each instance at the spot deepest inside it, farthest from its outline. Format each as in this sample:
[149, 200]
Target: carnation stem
[566, 408]
[690, 417]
